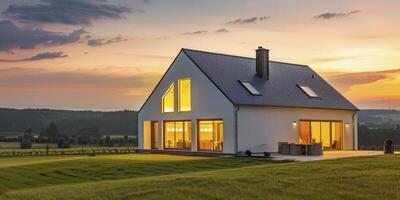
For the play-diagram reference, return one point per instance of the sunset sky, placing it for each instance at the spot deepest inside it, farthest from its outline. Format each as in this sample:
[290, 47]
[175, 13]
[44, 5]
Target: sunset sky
[109, 55]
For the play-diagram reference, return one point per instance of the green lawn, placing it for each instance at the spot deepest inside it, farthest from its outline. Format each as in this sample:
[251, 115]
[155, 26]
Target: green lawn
[144, 176]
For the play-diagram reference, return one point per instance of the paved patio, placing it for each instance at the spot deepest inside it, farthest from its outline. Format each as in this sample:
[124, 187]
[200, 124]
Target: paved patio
[327, 155]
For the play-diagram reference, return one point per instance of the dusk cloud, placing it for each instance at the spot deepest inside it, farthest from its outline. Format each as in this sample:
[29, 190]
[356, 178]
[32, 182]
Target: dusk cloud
[40, 56]
[248, 20]
[98, 88]
[70, 12]
[101, 42]
[344, 81]
[332, 15]
[222, 30]
[13, 37]
[196, 32]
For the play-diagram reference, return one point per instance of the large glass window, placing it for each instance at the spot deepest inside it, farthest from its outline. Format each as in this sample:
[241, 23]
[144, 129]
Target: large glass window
[184, 97]
[305, 132]
[337, 132]
[211, 135]
[329, 133]
[177, 135]
[315, 132]
[168, 100]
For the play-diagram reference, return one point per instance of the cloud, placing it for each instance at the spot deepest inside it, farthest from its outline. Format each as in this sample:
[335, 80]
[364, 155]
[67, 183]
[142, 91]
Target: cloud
[101, 42]
[110, 87]
[343, 82]
[40, 56]
[331, 15]
[118, 78]
[248, 20]
[13, 37]
[196, 32]
[327, 59]
[70, 12]
[222, 30]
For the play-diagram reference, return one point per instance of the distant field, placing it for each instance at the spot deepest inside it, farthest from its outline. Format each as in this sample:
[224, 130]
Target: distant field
[16, 145]
[147, 176]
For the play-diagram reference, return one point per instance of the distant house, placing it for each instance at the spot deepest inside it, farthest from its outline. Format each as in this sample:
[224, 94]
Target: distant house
[213, 102]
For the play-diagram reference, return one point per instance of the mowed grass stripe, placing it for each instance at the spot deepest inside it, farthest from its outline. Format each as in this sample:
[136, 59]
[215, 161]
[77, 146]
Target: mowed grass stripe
[29, 160]
[351, 178]
[107, 167]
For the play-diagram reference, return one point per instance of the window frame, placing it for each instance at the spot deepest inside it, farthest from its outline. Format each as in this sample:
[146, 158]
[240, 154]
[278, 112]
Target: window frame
[171, 87]
[302, 88]
[179, 94]
[184, 138]
[243, 83]
[331, 122]
[213, 136]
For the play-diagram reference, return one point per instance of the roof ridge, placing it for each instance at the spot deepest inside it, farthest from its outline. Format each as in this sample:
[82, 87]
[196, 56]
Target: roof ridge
[244, 57]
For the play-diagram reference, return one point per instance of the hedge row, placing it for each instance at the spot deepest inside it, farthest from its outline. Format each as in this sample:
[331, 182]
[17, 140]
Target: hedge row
[71, 151]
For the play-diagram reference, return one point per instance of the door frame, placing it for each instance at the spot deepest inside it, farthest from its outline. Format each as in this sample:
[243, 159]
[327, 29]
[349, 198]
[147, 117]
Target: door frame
[330, 131]
[184, 138]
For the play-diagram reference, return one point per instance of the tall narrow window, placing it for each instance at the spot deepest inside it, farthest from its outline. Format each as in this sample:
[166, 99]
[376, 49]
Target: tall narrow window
[184, 98]
[168, 100]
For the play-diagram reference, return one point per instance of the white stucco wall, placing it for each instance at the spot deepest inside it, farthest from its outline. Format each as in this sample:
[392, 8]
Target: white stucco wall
[207, 103]
[260, 128]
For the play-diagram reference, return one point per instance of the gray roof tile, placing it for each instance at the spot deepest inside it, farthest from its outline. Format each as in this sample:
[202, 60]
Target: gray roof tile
[280, 90]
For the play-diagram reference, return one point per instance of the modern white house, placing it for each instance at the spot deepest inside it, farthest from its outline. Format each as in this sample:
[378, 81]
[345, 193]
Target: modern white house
[211, 102]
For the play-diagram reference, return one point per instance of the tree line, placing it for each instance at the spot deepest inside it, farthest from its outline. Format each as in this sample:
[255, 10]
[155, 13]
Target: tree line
[80, 136]
[371, 137]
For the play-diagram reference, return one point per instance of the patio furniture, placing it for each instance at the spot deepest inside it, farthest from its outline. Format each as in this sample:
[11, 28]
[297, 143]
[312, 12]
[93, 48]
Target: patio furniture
[315, 149]
[283, 148]
[295, 149]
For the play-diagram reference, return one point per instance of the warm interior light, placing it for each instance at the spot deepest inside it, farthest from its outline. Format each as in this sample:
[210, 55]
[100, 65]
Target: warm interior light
[168, 100]
[347, 124]
[184, 98]
[294, 123]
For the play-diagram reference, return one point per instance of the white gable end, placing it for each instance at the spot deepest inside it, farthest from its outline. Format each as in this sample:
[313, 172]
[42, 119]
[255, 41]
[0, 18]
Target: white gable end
[208, 102]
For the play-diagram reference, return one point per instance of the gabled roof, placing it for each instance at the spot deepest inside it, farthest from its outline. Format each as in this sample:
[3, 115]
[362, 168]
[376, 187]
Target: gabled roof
[281, 89]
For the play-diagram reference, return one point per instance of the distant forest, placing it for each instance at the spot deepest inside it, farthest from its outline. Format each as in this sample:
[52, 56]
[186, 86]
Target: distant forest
[108, 123]
[374, 125]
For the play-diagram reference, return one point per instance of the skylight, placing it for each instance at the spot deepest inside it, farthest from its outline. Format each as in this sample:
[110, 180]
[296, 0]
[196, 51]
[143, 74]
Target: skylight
[250, 88]
[308, 91]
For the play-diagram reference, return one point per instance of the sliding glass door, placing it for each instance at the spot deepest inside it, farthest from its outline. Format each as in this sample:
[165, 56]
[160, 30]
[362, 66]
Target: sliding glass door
[177, 135]
[211, 135]
[329, 133]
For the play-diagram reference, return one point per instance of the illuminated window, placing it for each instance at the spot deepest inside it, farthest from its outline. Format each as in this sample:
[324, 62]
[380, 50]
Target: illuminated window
[250, 88]
[211, 135]
[177, 135]
[184, 97]
[329, 133]
[308, 91]
[168, 100]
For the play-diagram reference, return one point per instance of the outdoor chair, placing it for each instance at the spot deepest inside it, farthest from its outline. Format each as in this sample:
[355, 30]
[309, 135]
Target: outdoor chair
[283, 148]
[315, 149]
[295, 149]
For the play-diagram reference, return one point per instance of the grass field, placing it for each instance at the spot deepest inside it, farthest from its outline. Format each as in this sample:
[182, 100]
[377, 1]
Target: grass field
[145, 176]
